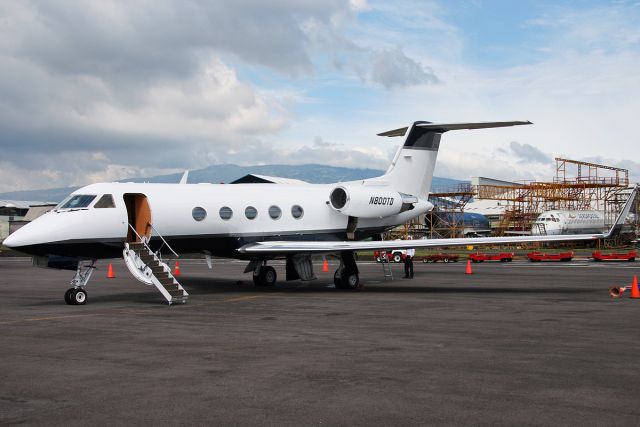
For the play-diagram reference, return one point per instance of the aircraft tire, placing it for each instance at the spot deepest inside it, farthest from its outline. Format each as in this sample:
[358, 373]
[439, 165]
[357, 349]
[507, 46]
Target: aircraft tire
[350, 280]
[78, 297]
[67, 296]
[269, 276]
[266, 277]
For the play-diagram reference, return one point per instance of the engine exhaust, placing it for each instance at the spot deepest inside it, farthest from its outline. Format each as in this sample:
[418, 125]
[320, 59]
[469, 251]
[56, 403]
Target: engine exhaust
[617, 291]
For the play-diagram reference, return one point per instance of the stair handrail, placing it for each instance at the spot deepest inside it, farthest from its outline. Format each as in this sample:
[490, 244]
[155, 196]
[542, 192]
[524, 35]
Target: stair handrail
[164, 241]
[143, 240]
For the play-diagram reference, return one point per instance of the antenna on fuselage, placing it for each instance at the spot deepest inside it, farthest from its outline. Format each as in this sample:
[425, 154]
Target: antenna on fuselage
[185, 176]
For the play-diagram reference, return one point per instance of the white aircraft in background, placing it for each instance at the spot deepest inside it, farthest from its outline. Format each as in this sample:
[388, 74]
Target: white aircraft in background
[256, 222]
[568, 222]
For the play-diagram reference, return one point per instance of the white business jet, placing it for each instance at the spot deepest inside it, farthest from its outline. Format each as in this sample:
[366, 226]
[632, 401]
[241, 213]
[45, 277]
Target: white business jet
[255, 222]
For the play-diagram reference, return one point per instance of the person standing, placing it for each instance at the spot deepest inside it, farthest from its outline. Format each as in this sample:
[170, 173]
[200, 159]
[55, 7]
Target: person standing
[408, 263]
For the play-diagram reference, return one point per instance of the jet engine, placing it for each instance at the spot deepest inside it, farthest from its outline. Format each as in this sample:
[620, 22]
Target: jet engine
[370, 202]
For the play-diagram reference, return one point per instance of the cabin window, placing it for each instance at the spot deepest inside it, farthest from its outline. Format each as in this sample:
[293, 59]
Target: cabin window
[104, 202]
[78, 201]
[297, 211]
[226, 213]
[275, 212]
[250, 212]
[198, 213]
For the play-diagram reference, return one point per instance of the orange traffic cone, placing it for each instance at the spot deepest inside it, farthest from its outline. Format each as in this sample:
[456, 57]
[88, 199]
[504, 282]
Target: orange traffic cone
[469, 271]
[110, 274]
[635, 292]
[176, 271]
[325, 266]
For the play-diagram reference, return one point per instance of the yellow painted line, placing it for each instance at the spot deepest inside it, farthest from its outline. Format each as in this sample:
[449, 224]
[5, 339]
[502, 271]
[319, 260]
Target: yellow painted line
[38, 319]
[131, 312]
[247, 298]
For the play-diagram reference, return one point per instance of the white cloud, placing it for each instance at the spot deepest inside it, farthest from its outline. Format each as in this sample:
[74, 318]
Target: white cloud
[89, 90]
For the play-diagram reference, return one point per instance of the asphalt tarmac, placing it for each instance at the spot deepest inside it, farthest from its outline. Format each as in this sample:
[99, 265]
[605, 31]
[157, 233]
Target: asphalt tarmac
[512, 344]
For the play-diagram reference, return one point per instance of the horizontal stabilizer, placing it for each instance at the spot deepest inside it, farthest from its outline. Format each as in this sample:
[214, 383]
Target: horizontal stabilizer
[444, 127]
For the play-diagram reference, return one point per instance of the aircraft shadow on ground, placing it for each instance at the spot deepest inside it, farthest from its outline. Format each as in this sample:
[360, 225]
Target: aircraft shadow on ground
[197, 286]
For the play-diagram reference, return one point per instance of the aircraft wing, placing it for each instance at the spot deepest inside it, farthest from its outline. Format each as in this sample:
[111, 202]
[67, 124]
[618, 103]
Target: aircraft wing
[288, 247]
[284, 247]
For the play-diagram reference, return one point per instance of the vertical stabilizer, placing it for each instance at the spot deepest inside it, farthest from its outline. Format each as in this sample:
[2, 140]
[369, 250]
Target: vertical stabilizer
[411, 170]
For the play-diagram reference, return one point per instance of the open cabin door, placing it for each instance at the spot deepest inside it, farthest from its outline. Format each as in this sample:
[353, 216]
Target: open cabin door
[138, 215]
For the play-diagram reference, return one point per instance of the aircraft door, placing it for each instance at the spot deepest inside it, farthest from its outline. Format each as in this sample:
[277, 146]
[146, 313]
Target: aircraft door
[138, 215]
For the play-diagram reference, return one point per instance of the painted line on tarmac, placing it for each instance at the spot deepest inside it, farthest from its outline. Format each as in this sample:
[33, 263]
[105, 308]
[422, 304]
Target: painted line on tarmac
[244, 298]
[125, 310]
[38, 319]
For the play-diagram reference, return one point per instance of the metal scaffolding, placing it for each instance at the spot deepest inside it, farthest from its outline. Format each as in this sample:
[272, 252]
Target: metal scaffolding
[576, 186]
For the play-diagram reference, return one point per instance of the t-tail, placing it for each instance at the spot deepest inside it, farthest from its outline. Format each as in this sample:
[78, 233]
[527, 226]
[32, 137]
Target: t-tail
[411, 170]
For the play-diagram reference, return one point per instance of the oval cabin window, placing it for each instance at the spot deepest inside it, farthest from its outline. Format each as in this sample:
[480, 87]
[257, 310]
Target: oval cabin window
[250, 212]
[198, 213]
[297, 211]
[275, 212]
[226, 213]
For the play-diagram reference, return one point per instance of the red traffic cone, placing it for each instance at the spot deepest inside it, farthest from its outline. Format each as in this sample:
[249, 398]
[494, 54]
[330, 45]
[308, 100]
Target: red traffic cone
[468, 271]
[635, 292]
[110, 274]
[325, 266]
[176, 270]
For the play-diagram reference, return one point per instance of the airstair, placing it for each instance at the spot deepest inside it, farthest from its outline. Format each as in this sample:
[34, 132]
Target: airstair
[148, 267]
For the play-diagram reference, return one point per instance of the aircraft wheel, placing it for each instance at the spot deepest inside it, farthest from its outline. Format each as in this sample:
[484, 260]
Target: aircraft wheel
[78, 296]
[266, 276]
[269, 275]
[67, 296]
[350, 280]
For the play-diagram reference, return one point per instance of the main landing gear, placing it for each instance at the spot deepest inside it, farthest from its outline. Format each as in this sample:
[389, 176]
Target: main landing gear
[77, 295]
[346, 276]
[264, 275]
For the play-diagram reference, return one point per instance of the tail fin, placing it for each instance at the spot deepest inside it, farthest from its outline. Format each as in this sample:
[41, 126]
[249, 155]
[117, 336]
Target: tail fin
[411, 170]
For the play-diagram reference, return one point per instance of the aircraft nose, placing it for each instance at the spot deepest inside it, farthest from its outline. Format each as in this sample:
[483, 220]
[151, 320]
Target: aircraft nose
[13, 240]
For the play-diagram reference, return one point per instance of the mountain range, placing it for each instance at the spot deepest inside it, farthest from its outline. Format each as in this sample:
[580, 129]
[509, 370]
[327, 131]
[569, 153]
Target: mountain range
[225, 173]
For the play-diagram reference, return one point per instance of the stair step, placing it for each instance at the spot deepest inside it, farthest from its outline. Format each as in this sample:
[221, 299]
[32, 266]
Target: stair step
[166, 281]
[172, 287]
[176, 293]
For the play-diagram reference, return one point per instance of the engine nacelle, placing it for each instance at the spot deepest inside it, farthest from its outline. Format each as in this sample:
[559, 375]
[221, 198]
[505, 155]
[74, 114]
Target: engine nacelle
[370, 202]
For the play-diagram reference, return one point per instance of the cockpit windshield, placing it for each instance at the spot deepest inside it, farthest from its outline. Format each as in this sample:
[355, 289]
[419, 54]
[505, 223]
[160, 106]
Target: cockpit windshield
[77, 201]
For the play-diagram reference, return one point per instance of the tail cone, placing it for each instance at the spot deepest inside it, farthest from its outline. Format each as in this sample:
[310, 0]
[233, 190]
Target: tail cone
[468, 271]
[110, 274]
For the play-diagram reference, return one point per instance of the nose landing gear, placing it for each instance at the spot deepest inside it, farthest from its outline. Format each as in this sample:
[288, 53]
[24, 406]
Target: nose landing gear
[77, 295]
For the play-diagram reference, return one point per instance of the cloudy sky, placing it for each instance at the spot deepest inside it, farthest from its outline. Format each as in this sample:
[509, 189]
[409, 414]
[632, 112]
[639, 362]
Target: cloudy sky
[103, 90]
